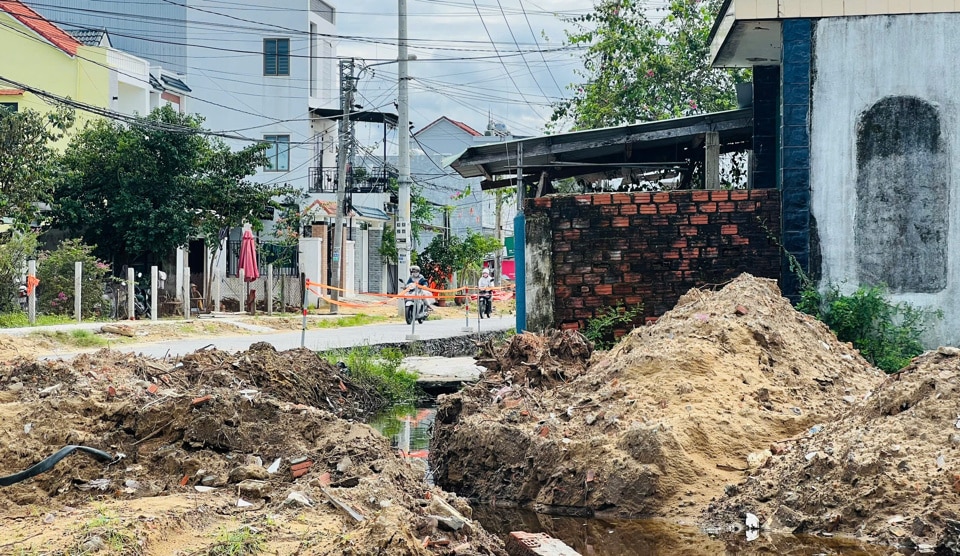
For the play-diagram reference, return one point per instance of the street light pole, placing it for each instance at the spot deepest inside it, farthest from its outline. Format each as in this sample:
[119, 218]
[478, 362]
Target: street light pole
[403, 166]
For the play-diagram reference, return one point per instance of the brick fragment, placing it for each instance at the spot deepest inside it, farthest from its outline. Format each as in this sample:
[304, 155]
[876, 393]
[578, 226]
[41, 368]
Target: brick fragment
[153, 388]
[201, 400]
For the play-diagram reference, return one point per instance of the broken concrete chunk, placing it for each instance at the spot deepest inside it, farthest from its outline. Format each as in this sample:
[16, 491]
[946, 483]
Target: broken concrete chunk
[248, 472]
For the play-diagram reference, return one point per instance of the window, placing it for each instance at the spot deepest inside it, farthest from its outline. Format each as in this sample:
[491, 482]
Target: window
[276, 56]
[278, 153]
[11, 106]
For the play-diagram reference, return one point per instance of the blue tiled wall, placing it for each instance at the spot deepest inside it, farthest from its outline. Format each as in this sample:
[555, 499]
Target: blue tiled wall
[795, 149]
[766, 118]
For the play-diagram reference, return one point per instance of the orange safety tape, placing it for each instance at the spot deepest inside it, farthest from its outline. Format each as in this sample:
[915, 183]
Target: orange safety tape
[310, 285]
[32, 283]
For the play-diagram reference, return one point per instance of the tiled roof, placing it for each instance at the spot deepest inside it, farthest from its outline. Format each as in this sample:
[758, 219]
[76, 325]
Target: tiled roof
[57, 36]
[89, 37]
[461, 125]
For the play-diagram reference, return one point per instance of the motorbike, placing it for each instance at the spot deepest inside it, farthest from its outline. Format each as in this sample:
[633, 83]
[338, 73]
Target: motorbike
[416, 307]
[485, 302]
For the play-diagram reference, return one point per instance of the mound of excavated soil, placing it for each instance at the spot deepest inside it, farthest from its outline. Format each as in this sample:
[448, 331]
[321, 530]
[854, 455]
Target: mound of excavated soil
[218, 421]
[658, 425]
[887, 469]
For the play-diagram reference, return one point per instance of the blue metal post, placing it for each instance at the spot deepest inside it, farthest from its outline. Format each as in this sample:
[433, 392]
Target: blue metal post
[520, 267]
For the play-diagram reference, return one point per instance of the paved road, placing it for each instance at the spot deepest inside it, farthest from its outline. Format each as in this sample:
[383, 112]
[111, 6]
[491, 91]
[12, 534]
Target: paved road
[322, 339]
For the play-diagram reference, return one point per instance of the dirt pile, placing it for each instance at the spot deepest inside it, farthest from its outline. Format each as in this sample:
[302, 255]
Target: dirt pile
[887, 469]
[253, 435]
[658, 425]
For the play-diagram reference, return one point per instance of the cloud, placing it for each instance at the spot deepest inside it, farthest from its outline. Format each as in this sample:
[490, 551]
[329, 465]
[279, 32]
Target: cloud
[458, 72]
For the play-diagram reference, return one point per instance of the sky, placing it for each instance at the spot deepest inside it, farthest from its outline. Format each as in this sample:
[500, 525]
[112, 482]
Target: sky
[468, 58]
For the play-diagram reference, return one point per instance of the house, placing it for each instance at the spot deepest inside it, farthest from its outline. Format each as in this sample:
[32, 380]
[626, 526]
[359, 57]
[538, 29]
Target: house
[263, 69]
[50, 60]
[855, 123]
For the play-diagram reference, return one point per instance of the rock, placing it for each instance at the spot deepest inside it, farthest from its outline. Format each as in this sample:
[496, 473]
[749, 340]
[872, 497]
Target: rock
[248, 472]
[15, 386]
[756, 460]
[590, 419]
[253, 489]
[948, 351]
[298, 499]
[213, 480]
[850, 399]
[344, 464]
[93, 544]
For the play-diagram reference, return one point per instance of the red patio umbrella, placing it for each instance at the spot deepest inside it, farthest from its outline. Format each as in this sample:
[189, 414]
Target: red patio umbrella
[248, 262]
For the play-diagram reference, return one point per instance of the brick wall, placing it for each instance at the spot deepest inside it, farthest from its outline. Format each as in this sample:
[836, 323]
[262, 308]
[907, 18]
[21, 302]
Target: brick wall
[651, 248]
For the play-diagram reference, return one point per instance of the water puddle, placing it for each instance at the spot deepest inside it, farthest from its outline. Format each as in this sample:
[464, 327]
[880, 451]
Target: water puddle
[409, 430]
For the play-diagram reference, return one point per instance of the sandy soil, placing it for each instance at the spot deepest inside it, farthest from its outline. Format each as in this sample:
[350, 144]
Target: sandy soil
[259, 445]
[660, 425]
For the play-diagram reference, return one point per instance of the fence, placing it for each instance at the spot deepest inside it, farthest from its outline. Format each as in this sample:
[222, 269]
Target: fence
[285, 258]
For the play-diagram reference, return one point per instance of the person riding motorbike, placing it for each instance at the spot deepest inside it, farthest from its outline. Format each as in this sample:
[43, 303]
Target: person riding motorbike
[416, 308]
[485, 297]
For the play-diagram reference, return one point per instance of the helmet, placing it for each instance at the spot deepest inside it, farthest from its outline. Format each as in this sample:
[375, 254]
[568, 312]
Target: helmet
[414, 268]
[486, 272]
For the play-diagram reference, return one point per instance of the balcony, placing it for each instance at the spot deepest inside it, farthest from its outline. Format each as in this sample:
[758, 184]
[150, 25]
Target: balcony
[373, 180]
[322, 180]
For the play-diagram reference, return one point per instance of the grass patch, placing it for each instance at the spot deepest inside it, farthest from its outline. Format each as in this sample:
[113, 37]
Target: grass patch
[378, 370]
[239, 542]
[107, 532]
[76, 338]
[359, 319]
[20, 320]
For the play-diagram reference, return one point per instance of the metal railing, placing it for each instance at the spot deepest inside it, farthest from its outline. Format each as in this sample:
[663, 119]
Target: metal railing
[284, 258]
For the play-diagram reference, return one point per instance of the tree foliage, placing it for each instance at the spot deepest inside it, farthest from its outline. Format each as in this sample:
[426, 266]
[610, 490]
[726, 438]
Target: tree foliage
[15, 249]
[26, 160]
[140, 191]
[645, 65]
[55, 269]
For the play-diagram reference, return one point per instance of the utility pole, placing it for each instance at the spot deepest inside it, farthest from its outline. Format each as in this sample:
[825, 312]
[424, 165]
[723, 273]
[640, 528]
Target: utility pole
[347, 87]
[403, 228]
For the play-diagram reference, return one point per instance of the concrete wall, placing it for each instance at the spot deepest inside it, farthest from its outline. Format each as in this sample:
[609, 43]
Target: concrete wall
[648, 248]
[884, 127]
[539, 272]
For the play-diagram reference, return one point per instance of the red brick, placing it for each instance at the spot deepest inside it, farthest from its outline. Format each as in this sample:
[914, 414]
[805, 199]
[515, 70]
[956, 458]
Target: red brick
[668, 208]
[711, 252]
[748, 206]
[561, 246]
[651, 320]
[302, 465]
[542, 202]
[648, 209]
[708, 207]
[570, 326]
[641, 198]
[602, 199]
[700, 196]
[622, 198]
[201, 400]
[633, 299]
[690, 253]
[671, 254]
[584, 199]
[571, 234]
[699, 219]
[719, 195]
[610, 210]
[627, 210]
[739, 195]
[111, 392]
[622, 289]
[688, 208]
[661, 197]
[740, 240]
[153, 388]
[728, 230]
[689, 230]
[603, 289]
[726, 207]
[679, 244]
[573, 280]
[620, 222]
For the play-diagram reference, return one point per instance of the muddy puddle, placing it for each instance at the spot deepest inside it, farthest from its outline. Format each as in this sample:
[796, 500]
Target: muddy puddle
[409, 430]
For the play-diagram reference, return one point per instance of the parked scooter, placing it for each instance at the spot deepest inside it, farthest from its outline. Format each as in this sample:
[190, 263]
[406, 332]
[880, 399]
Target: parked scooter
[417, 306]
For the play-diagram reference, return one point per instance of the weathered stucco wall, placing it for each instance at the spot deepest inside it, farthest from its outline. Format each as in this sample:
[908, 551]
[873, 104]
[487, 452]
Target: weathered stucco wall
[647, 248]
[884, 126]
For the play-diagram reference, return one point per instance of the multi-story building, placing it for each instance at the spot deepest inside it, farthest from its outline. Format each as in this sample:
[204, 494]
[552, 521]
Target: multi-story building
[263, 69]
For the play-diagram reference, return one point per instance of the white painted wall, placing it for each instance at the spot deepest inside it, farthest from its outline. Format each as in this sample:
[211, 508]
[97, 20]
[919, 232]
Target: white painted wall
[859, 61]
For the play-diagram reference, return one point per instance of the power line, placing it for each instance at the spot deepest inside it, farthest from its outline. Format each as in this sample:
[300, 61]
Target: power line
[534, 35]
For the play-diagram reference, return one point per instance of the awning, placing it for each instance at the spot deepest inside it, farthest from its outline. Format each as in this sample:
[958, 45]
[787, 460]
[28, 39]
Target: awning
[175, 83]
[360, 116]
[371, 213]
[647, 146]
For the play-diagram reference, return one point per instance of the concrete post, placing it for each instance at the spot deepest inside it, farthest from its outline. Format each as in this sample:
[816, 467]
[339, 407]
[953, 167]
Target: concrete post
[711, 165]
[154, 271]
[216, 289]
[131, 293]
[77, 283]
[186, 292]
[270, 289]
[32, 296]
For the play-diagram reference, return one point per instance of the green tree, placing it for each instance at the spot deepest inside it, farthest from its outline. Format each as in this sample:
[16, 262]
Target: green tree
[645, 65]
[55, 269]
[26, 160]
[15, 249]
[140, 191]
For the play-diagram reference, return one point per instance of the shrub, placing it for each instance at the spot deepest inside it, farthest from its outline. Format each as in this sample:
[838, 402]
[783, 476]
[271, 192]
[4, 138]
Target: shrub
[886, 333]
[55, 269]
[378, 370]
[14, 251]
[601, 330]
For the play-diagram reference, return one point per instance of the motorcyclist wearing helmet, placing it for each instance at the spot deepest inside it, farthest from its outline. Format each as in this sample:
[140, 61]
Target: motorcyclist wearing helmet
[486, 294]
[416, 278]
